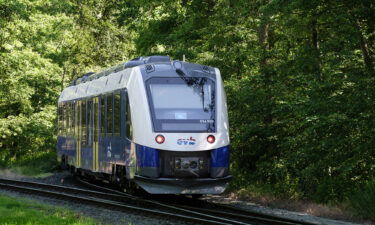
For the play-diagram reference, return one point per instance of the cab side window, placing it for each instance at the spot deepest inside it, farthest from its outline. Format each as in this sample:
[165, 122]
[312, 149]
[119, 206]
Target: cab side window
[117, 113]
[129, 127]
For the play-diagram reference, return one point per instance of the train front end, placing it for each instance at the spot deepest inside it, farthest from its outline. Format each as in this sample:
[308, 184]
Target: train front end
[181, 130]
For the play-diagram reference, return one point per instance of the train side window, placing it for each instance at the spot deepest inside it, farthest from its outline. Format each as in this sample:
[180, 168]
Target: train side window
[58, 119]
[109, 115]
[129, 127]
[73, 117]
[67, 107]
[59, 116]
[95, 122]
[117, 114]
[68, 117]
[63, 119]
[102, 116]
[78, 119]
[89, 122]
[83, 120]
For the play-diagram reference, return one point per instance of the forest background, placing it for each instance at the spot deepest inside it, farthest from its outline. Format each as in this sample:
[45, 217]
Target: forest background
[299, 76]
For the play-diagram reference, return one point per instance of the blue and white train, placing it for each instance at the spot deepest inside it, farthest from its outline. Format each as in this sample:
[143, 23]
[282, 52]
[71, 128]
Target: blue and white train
[152, 123]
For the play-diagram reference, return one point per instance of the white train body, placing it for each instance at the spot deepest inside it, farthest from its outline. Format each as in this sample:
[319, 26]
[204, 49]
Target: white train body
[158, 123]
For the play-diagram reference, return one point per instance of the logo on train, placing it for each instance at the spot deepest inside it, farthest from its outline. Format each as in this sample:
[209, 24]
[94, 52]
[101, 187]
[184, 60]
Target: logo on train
[186, 141]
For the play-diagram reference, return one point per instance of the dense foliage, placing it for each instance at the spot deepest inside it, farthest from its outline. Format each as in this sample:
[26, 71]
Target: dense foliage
[299, 76]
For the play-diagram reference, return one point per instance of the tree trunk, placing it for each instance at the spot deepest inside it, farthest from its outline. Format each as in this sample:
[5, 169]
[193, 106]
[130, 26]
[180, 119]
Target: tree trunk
[364, 48]
[264, 41]
[363, 43]
[315, 47]
[63, 80]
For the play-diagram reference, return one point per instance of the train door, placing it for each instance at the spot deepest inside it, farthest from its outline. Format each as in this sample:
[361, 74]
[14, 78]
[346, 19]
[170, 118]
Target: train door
[83, 160]
[90, 134]
[95, 133]
[102, 133]
[87, 149]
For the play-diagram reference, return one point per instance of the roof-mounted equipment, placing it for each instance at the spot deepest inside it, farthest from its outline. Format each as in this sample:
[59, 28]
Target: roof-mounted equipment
[147, 60]
[129, 64]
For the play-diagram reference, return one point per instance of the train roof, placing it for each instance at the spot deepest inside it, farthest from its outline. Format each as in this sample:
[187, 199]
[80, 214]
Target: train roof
[129, 64]
[114, 78]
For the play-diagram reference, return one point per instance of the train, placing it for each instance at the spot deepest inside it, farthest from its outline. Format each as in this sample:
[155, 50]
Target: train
[151, 123]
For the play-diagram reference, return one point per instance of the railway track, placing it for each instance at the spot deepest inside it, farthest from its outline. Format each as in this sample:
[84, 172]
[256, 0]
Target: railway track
[119, 201]
[204, 207]
[228, 211]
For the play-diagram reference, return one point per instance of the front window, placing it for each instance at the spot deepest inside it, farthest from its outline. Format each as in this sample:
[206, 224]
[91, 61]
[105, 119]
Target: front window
[182, 104]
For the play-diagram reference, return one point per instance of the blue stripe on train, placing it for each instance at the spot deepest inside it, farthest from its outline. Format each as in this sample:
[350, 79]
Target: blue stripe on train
[147, 157]
[220, 157]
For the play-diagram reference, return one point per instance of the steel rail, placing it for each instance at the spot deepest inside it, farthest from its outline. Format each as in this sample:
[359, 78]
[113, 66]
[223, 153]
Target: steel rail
[165, 206]
[228, 212]
[117, 205]
[222, 215]
[236, 212]
[271, 217]
[244, 216]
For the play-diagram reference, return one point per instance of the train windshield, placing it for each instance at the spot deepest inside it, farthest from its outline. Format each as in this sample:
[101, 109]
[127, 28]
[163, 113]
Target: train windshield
[182, 104]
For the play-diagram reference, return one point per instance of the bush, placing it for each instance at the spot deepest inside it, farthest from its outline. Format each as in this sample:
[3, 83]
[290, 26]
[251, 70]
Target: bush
[23, 137]
[40, 165]
[363, 200]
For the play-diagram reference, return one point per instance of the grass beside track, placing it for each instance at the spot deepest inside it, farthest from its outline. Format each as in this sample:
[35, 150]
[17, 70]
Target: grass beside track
[17, 211]
[38, 166]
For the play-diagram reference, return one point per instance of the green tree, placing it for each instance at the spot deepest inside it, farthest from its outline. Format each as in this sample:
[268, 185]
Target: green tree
[299, 77]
